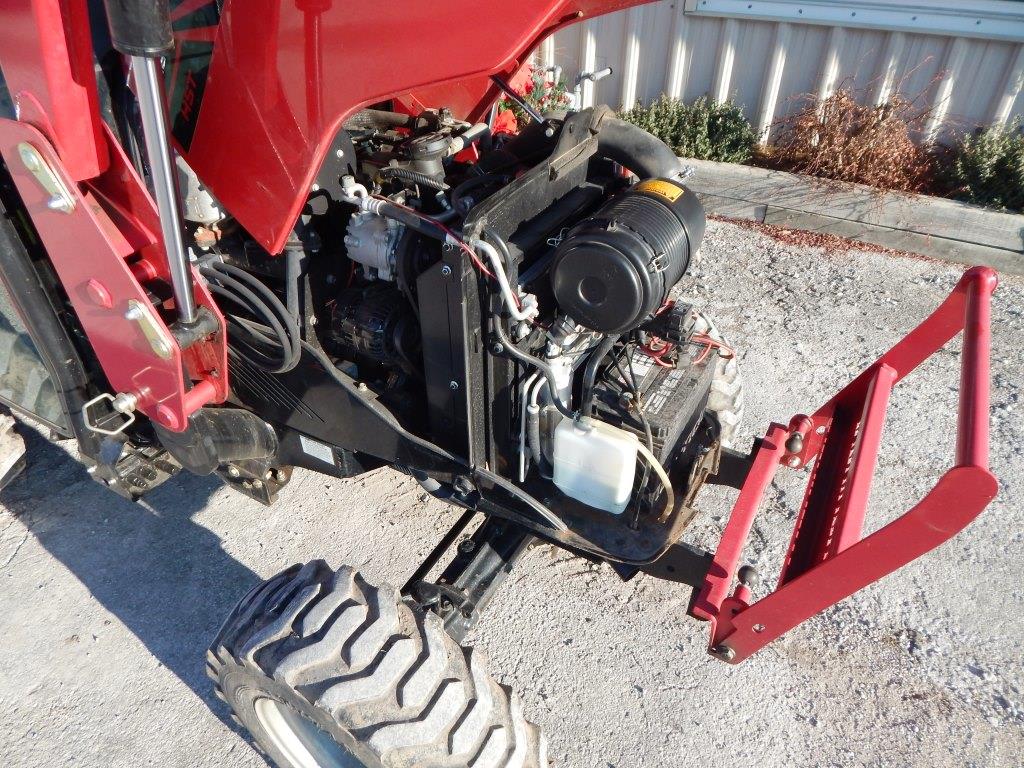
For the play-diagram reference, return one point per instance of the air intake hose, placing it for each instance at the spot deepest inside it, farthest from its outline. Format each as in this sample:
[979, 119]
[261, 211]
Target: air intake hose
[634, 148]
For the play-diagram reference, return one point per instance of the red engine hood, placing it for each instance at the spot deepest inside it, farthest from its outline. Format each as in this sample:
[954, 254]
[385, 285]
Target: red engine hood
[284, 75]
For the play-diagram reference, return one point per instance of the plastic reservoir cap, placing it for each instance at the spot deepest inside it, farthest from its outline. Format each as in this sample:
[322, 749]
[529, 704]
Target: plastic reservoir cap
[595, 463]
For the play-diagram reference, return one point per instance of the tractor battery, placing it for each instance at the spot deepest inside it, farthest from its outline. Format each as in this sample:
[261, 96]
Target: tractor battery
[672, 398]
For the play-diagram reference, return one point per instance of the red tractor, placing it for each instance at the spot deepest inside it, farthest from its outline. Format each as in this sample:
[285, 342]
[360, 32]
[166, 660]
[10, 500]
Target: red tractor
[243, 237]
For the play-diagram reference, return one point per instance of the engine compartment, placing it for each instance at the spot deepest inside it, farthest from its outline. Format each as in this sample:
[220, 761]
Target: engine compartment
[504, 298]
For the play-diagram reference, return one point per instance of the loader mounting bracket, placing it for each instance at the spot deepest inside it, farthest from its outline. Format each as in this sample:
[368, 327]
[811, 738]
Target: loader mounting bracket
[828, 559]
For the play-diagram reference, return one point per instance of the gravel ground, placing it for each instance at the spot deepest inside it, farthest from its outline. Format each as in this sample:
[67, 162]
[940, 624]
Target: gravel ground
[106, 607]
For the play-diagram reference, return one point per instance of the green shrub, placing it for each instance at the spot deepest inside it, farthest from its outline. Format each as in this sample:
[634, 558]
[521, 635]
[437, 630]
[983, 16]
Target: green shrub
[704, 130]
[987, 168]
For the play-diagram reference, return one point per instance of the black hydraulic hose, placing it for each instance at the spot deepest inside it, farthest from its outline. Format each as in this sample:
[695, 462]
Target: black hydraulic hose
[406, 174]
[241, 295]
[469, 184]
[636, 149]
[249, 339]
[417, 223]
[546, 370]
[500, 244]
[248, 292]
[590, 374]
[270, 298]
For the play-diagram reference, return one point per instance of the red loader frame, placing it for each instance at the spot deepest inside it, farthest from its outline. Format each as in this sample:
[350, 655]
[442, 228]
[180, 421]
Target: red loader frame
[827, 559]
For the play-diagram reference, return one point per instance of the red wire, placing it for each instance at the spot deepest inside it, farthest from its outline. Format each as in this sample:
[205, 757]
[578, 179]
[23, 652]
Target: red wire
[657, 353]
[710, 344]
[455, 238]
[657, 348]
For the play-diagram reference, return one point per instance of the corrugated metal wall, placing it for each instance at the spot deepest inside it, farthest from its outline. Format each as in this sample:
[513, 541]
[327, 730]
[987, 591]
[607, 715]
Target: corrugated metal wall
[765, 65]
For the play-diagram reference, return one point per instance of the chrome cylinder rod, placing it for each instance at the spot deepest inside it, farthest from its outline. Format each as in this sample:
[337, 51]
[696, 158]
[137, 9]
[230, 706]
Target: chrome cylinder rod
[153, 109]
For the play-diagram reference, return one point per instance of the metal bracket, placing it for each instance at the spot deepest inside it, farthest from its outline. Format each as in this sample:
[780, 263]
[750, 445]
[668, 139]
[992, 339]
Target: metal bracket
[151, 329]
[60, 198]
[482, 562]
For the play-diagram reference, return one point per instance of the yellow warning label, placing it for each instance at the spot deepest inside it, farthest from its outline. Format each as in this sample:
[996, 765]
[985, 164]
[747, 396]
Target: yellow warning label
[662, 188]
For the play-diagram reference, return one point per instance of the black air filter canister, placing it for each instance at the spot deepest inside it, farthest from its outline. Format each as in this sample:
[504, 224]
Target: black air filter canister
[614, 269]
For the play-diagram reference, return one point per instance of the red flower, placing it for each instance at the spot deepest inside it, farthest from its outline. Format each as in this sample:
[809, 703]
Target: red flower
[506, 122]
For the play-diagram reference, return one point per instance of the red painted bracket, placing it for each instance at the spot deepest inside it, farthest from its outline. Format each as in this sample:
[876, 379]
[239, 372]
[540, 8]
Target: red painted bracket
[828, 560]
[104, 244]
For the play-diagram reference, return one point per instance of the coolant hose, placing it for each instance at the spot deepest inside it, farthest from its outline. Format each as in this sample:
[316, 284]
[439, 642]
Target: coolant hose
[590, 374]
[636, 149]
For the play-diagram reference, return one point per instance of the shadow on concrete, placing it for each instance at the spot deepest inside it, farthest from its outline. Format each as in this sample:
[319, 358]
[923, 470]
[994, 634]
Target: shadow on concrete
[165, 577]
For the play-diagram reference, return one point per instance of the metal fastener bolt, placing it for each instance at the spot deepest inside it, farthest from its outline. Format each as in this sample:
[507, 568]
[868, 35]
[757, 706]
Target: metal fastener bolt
[759, 628]
[257, 483]
[466, 546]
[268, 475]
[58, 203]
[795, 443]
[340, 153]
[724, 652]
[29, 157]
[233, 471]
[794, 462]
[453, 385]
[446, 271]
[498, 348]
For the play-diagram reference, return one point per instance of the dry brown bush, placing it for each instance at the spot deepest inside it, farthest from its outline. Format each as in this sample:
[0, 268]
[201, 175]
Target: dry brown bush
[839, 138]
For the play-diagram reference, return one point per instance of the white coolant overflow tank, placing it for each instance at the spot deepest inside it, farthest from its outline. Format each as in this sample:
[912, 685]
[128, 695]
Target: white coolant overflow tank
[595, 463]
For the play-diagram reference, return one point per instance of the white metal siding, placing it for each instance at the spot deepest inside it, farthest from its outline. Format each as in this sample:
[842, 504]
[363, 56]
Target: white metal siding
[968, 66]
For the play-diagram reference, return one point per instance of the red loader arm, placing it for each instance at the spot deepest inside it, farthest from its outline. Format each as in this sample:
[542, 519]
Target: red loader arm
[827, 559]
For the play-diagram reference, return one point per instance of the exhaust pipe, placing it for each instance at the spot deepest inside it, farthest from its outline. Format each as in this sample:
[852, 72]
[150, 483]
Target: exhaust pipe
[141, 29]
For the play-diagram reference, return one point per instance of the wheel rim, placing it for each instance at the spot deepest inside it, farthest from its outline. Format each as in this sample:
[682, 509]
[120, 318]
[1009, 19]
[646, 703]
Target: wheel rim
[301, 741]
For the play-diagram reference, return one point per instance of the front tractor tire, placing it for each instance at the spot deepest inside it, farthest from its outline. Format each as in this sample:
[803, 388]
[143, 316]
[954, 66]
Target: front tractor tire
[328, 671]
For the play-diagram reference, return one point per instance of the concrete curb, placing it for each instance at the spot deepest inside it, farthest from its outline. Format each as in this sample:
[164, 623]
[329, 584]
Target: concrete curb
[935, 227]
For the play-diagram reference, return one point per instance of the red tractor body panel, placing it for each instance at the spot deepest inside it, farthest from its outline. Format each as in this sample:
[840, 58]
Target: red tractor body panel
[284, 76]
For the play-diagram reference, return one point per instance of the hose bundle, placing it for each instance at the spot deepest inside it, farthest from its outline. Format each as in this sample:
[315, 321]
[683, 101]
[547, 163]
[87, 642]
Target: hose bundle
[264, 332]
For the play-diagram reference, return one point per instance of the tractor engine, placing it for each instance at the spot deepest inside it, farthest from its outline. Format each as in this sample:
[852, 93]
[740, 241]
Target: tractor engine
[509, 298]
